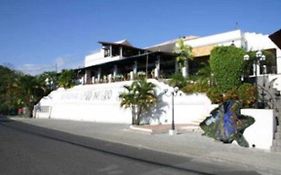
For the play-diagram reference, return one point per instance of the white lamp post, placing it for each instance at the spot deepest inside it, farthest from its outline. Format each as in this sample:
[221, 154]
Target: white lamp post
[256, 69]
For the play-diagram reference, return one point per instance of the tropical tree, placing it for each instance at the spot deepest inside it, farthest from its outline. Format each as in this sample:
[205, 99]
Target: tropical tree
[18, 90]
[48, 81]
[66, 79]
[184, 54]
[9, 90]
[30, 92]
[177, 80]
[140, 96]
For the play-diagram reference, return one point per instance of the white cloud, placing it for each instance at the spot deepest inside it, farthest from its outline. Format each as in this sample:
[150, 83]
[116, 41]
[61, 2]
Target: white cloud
[35, 69]
[67, 62]
[58, 64]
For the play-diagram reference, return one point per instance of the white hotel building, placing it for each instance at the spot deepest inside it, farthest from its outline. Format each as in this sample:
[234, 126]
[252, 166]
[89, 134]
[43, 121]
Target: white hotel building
[121, 60]
[107, 71]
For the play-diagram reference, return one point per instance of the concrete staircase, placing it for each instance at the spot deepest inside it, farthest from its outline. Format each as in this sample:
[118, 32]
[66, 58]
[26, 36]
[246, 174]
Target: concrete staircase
[269, 92]
[276, 144]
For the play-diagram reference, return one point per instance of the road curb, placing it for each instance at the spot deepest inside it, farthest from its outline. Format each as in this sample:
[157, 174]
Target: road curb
[146, 130]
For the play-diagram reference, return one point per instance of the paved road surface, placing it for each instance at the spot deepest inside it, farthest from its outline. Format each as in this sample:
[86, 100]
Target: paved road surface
[30, 150]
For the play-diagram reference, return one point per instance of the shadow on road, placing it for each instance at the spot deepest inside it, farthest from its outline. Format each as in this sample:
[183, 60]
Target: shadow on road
[160, 159]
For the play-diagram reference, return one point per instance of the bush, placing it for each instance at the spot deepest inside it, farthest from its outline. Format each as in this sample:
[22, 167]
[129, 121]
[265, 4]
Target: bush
[66, 79]
[231, 94]
[247, 94]
[227, 65]
[198, 86]
[215, 95]
[177, 80]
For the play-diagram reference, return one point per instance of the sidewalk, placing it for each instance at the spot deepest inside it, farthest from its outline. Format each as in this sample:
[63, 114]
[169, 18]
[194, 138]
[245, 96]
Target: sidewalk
[188, 143]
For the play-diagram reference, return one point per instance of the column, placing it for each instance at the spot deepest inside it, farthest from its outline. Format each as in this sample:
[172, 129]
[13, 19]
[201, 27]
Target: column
[157, 68]
[264, 69]
[131, 75]
[254, 69]
[110, 50]
[258, 68]
[135, 67]
[115, 71]
[176, 66]
[99, 74]
[185, 69]
[88, 76]
[121, 52]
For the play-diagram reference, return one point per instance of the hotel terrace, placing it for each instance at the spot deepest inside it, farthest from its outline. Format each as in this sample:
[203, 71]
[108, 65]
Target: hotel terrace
[117, 61]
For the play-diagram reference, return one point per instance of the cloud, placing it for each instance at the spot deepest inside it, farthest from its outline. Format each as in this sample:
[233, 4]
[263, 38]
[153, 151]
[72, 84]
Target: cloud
[67, 62]
[35, 69]
[58, 64]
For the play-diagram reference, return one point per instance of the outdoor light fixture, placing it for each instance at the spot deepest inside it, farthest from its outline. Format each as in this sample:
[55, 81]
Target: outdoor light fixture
[256, 63]
[173, 93]
[246, 57]
[49, 82]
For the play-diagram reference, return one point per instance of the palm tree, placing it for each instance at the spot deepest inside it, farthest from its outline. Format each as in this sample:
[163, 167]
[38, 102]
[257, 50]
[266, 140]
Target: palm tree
[48, 81]
[205, 74]
[140, 96]
[184, 53]
[66, 79]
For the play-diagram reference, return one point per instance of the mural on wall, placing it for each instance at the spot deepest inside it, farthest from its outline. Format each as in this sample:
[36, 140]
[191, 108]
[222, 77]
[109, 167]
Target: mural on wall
[226, 123]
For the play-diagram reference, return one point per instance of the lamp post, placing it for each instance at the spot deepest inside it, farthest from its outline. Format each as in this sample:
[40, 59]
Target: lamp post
[49, 82]
[256, 70]
[172, 130]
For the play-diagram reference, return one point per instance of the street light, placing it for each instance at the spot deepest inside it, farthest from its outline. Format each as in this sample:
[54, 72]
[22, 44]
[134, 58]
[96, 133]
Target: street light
[172, 130]
[256, 66]
[49, 82]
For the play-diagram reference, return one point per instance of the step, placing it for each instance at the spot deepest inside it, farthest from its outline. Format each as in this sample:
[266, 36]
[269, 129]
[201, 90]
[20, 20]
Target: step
[278, 129]
[277, 136]
[276, 149]
[276, 143]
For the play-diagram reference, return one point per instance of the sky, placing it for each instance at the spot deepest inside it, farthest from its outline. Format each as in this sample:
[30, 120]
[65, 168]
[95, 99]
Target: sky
[50, 35]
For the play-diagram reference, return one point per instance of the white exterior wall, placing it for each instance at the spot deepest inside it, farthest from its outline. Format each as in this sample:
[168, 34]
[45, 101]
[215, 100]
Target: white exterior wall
[218, 39]
[261, 132]
[93, 58]
[98, 58]
[100, 102]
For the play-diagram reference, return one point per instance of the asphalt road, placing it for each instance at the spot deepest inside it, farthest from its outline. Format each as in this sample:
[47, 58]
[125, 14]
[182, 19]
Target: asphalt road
[30, 150]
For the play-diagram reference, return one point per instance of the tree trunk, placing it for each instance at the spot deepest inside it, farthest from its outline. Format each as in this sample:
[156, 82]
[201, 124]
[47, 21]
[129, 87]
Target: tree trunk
[185, 69]
[27, 112]
[135, 115]
[138, 119]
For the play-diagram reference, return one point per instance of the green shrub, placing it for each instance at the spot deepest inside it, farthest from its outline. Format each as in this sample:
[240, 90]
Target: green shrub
[215, 95]
[247, 94]
[66, 78]
[177, 80]
[227, 64]
[231, 94]
[198, 86]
